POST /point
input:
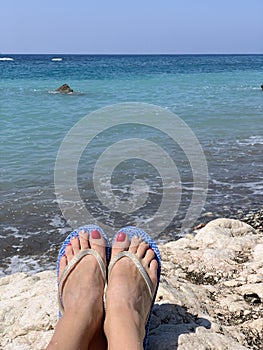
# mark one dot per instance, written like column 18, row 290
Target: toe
column 151, row 265
column 152, row 272
column 84, row 240
column 142, row 249
column 135, row 241
column 69, row 252
column 75, row 245
column 149, row 256
column 62, row 266
column 120, row 244
column 98, row 243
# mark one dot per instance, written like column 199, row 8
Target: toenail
column 83, row 234
column 121, row 237
column 95, row 234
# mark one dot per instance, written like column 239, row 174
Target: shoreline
column 45, row 258
column 211, row 294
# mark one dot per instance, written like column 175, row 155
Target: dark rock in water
column 262, row 87
column 65, row 88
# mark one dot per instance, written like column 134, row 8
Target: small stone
column 252, row 298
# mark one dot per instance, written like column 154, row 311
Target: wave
column 75, row 93
column 26, row 264
column 53, row 92
column 56, row 59
column 6, row 59
column 251, row 141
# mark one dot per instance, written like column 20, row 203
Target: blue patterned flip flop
column 75, row 233
column 131, row 231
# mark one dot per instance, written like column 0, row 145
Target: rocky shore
column 210, row 295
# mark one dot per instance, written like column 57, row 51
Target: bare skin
column 127, row 298
column 81, row 326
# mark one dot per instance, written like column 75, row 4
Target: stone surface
column 27, row 310
column 210, row 295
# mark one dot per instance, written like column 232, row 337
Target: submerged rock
column 210, row 295
column 65, row 88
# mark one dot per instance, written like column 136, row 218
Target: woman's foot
column 128, row 300
column 81, row 326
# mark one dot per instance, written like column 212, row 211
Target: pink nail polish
column 121, row 237
column 95, row 234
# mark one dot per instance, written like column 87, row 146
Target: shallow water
column 218, row 96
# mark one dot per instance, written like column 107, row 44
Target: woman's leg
column 127, row 299
column 81, row 326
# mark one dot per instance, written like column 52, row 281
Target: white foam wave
column 20, row 264
column 6, row 59
column 57, row 221
column 221, row 183
column 251, row 141
column 248, row 87
column 58, row 92
column 59, row 224
column 11, row 228
column 56, row 59
column 16, row 233
column 256, row 187
column 53, row 92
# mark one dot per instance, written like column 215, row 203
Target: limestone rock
column 210, row 295
column 27, row 310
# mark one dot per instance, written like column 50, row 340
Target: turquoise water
column 218, row 96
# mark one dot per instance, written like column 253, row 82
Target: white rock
column 258, row 253
column 206, row 300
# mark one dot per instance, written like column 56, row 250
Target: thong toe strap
column 73, row 263
column 138, row 264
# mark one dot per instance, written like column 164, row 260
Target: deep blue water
column 218, row 96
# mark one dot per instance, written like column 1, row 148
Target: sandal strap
column 73, row 263
column 139, row 266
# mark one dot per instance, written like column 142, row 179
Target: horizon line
column 132, row 53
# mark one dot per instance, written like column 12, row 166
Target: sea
column 210, row 114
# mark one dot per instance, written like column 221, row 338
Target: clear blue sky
column 133, row 26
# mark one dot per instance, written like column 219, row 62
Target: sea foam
column 251, row 141
column 6, row 59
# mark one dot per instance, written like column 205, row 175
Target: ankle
column 124, row 328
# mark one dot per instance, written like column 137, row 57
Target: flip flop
column 131, row 231
column 78, row 258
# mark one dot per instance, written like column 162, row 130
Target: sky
column 134, row 26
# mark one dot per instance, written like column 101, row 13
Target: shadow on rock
column 168, row 322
